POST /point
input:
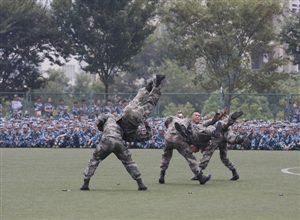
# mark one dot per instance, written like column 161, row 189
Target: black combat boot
column 162, row 177
column 232, row 119
column 216, row 133
column 159, row 79
column 85, row 185
column 149, row 85
column 247, row 141
column 181, row 129
column 194, row 178
column 235, row 175
column 240, row 139
column 235, row 115
column 141, row 185
column 202, row 178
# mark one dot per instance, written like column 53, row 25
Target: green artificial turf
column 32, row 181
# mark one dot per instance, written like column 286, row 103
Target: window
column 255, row 64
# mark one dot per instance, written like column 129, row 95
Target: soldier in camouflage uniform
column 37, row 138
column 159, row 138
column 48, row 108
column 77, row 137
column 288, row 139
column 111, row 142
column 139, row 109
column 264, row 140
column 63, row 139
column 75, row 111
column 60, row 108
column 39, row 106
column 273, row 139
column 98, row 108
column 2, row 135
column 64, row 113
column 1, row 110
column 17, row 135
column 255, row 139
column 9, row 138
column 84, row 110
column 94, row 138
column 173, row 140
column 209, row 148
column 296, row 145
column 26, row 138
column 49, row 137
column 221, row 143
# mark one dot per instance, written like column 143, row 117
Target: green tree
column 105, row 34
column 219, row 39
column 171, row 109
column 152, row 56
column 210, row 105
column 290, row 36
column 146, row 65
column 86, row 87
column 57, row 87
column 178, row 87
column 25, row 42
column 253, row 106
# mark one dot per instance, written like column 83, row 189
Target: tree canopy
column 104, row 34
column 220, row 39
column 290, row 36
column 28, row 34
column 23, row 45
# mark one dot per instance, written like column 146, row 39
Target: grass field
column 32, row 181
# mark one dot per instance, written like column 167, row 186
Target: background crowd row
column 81, row 109
column 79, row 132
column 65, row 133
column 48, row 110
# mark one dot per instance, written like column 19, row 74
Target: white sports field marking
column 286, row 170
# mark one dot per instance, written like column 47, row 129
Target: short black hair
column 194, row 112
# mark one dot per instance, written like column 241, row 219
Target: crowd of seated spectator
column 74, row 129
column 77, row 128
column 266, row 135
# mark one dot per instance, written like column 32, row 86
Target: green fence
column 260, row 106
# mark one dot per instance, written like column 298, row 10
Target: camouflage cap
column 104, row 116
column 160, row 127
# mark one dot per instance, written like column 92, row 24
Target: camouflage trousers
column 107, row 146
column 210, row 149
column 201, row 134
column 174, row 141
column 227, row 122
column 230, row 137
column 140, row 108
